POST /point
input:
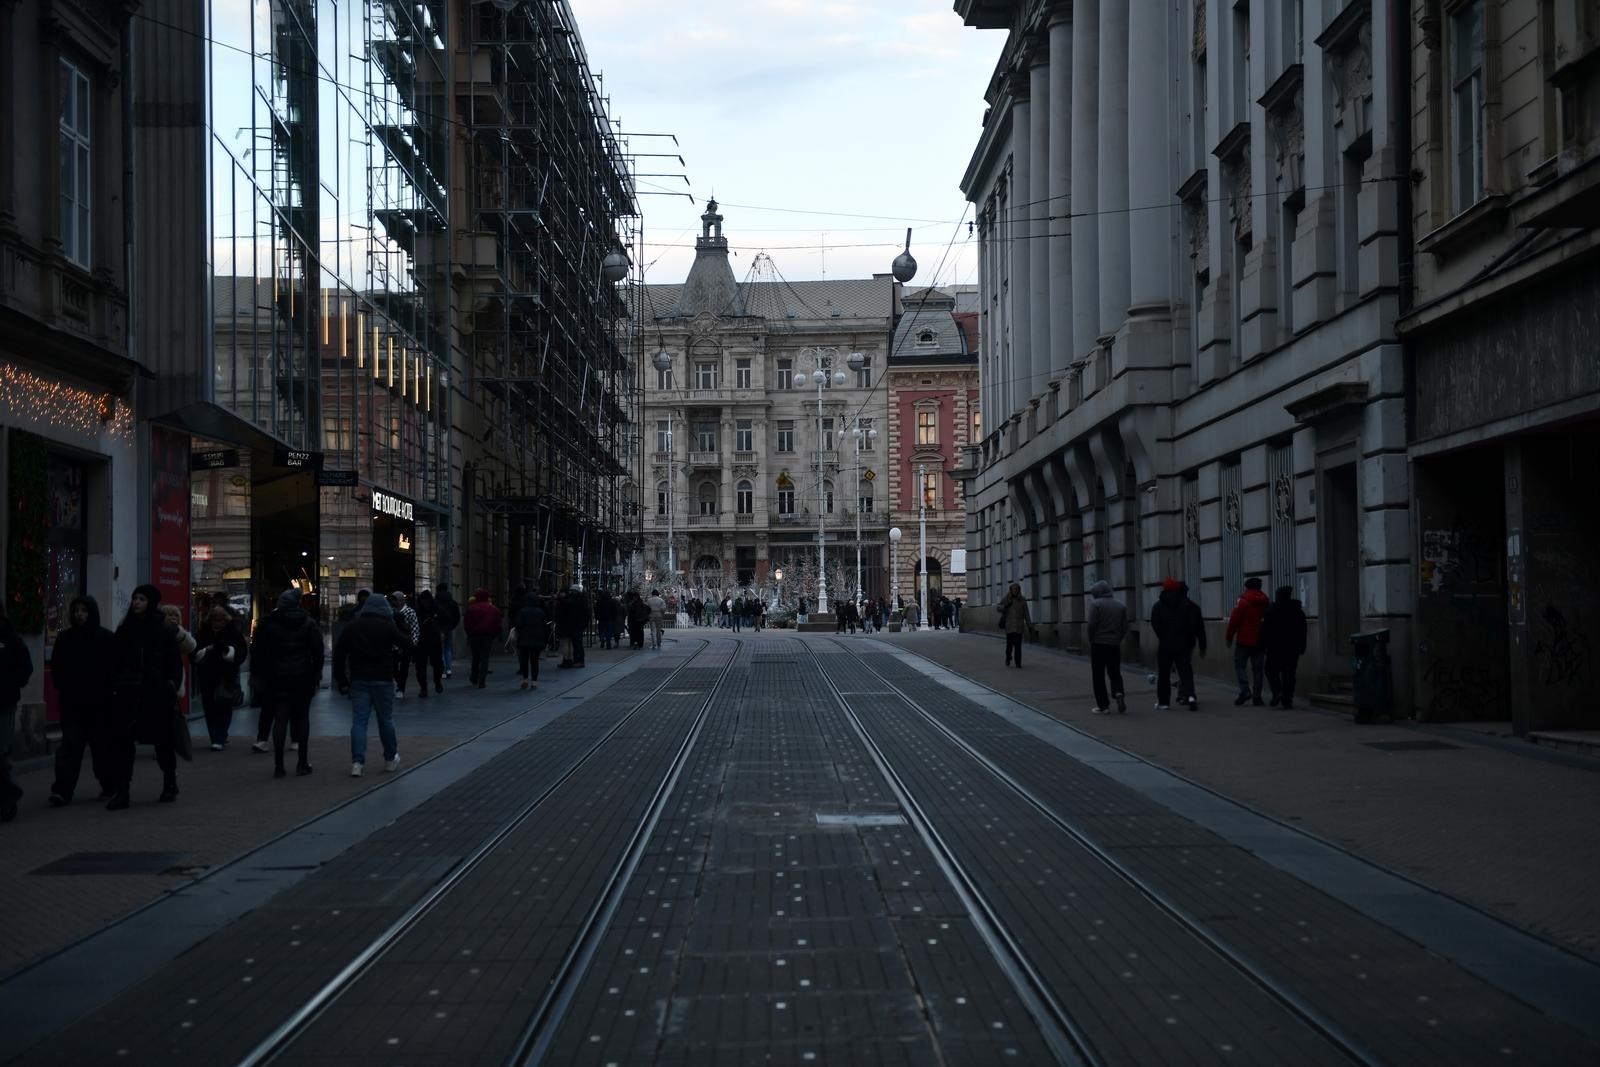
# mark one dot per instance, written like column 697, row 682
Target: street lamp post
column 777, row 589
column 862, row 437
column 663, row 362
column 922, row 542
column 820, row 377
column 894, row 567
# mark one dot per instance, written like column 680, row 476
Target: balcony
column 705, row 459
column 744, row 520
column 704, row 520
column 744, row 457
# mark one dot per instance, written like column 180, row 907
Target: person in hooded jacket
column 1106, row 626
column 638, row 618
column 16, row 667
column 221, row 649
column 1014, row 621
column 147, row 670
column 572, row 619
column 288, row 659
column 363, row 669
column 1244, row 634
column 78, row 661
column 1283, row 636
column 528, row 630
column 482, row 622
column 449, row 620
column 430, row 643
column 405, row 617
column 1178, row 627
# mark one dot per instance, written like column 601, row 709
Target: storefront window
column 67, row 542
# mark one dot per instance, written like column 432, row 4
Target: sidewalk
column 69, row 872
column 1507, row 828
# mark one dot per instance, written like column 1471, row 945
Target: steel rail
column 533, row 1044
column 286, row 1032
column 1297, row 1005
column 1065, row 1038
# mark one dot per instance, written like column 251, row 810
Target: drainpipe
column 1400, row 136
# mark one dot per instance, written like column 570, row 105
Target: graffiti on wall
column 1562, row 652
column 1457, row 555
column 1465, row 688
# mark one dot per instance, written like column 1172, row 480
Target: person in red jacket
column 1244, row 634
column 482, row 622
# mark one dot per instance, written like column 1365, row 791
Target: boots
column 169, row 787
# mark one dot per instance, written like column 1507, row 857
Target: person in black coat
column 429, row 650
column 1179, row 629
column 79, row 668
column 528, row 630
column 288, row 656
column 147, row 673
column 638, row 613
column 572, row 619
column 220, row 650
column 1283, row 635
column 16, row 667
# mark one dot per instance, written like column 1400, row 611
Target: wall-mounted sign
column 337, row 477
column 396, row 507
column 958, row 561
column 216, row 459
column 403, row 543
column 200, row 553
column 297, row 461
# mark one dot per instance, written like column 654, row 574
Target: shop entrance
column 394, row 544
column 284, row 539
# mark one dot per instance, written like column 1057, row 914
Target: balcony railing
column 705, row 459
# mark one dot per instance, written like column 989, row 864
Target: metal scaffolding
column 550, row 195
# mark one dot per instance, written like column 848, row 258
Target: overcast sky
column 823, row 110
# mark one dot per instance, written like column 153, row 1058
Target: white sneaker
column 390, row 765
column 216, row 746
column 356, row 769
column 1099, row 711
column 399, row 694
column 259, row 746
column 294, row 746
column 1163, row 707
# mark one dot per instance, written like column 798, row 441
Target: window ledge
column 1486, row 215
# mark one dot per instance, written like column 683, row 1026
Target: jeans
column 79, row 729
column 528, row 662
column 1165, row 662
column 219, row 715
column 736, row 620
column 291, row 715
column 1105, row 664
column 1254, row 656
column 366, row 697
column 1014, row 648
column 480, row 658
column 655, row 633
column 607, row 633
column 1280, row 676
column 449, row 652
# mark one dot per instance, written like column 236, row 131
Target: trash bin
column 1373, row 677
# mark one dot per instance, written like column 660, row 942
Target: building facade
column 1190, row 285
column 745, row 465
column 69, row 439
column 933, row 397
column 1504, row 341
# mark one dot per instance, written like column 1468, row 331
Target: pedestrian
column 430, row 644
column 1244, row 634
column 572, row 620
column 1106, row 627
column 83, row 651
column 528, row 631
column 605, row 619
column 658, row 614
column 1283, row 637
column 956, row 605
column 449, row 619
column 16, row 667
column 1175, row 620
column 363, row 669
column 288, row 657
column 482, row 622
column 1014, row 622
column 172, row 617
column 147, row 671
column 638, row 619
column 221, row 650
column 405, row 617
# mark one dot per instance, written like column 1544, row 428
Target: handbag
column 230, row 692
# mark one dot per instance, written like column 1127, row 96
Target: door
column 1340, row 513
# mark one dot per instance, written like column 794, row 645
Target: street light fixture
column 777, row 588
column 820, row 376
column 922, row 544
column 894, row 565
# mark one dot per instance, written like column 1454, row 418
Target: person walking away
column 429, row 651
column 78, row 668
column 363, row 670
column 572, row 620
column 605, row 619
column 1106, row 627
column 1244, row 634
column 16, row 667
column 482, row 622
column 1283, row 637
column 405, row 617
column 1176, row 622
column 528, row 630
column 1014, row 622
column 287, row 668
column 638, row 619
column 221, row 650
column 147, row 670
column 658, row 613
column 449, row 619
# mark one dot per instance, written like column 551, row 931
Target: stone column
column 1150, row 171
column 725, row 444
column 1019, row 367
column 1111, row 115
column 1059, row 243
column 1039, row 313
column 1085, row 176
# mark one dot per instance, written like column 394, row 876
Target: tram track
column 1064, row 1034
column 279, row 1045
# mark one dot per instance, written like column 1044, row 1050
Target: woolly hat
column 289, row 598
column 1252, row 583
column 149, row 592
column 1171, row 584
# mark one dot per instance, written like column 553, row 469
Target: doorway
column 935, row 580
column 1339, row 510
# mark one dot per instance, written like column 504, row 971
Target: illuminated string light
column 63, row 407
column 391, row 362
column 361, row 341
column 324, row 318
column 405, row 367
column 377, row 353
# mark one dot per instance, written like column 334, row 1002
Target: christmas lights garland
column 25, row 548
column 64, row 406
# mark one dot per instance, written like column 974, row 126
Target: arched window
column 864, row 496
column 746, row 496
column 707, row 498
column 662, row 502
column 827, row 497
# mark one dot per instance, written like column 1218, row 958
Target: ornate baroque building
column 1190, row 270
column 740, row 462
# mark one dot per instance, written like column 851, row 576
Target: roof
column 930, row 334
column 857, row 298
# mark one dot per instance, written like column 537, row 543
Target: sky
column 800, row 116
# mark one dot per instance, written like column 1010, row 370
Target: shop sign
column 217, row 459
column 403, row 543
column 295, row 460
column 396, row 507
column 200, row 553
column 958, row 561
column 337, row 477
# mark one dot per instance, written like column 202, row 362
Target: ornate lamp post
column 922, row 543
column 820, row 377
column 663, row 362
column 863, row 438
column 777, row 589
column 894, row 566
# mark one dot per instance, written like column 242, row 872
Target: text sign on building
column 403, row 543
column 200, row 553
column 216, row 459
column 337, row 477
column 396, row 507
column 958, row 561
column 297, row 461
